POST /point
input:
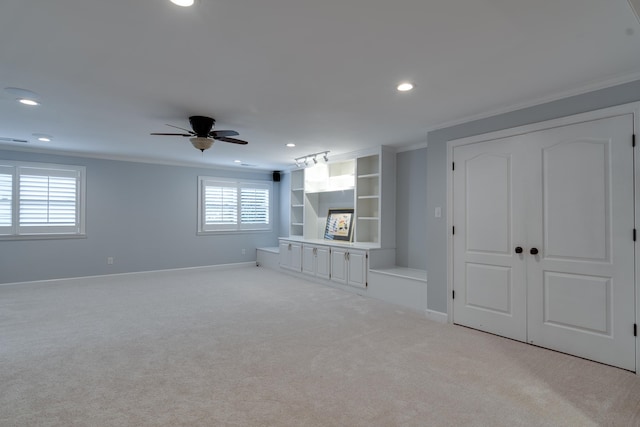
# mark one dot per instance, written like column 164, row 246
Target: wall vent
column 3, row 139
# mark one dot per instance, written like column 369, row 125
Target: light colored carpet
column 253, row 347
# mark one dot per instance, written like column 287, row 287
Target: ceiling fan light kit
column 202, row 136
column 201, row 143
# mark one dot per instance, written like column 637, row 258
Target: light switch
column 438, row 212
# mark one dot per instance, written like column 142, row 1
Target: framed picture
column 339, row 225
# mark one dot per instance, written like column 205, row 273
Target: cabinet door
column 285, row 255
column 323, row 262
column 357, row 268
column 308, row 259
column 296, row 256
column 339, row 265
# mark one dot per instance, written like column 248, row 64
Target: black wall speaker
column 276, row 176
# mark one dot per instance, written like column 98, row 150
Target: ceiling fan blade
column 219, row 133
column 173, row 134
column 178, row 127
column 232, row 140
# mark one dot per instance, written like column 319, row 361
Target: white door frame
column 632, row 108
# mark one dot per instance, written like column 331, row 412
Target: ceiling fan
column 202, row 136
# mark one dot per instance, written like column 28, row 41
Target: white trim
column 539, row 101
column 436, row 316
column 120, row 158
column 631, row 108
column 412, row 147
column 636, row 165
column 137, row 273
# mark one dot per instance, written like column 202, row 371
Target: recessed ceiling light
column 43, row 137
column 404, row 87
column 291, row 145
column 23, row 96
column 27, row 101
column 237, row 161
column 183, row 3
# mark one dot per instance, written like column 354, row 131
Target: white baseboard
column 203, row 267
column 436, row 316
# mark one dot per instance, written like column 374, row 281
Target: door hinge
column 634, row 234
column 633, row 140
column 453, row 166
column 635, row 329
column 366, row 284
column 453, row 230
column 453, row 294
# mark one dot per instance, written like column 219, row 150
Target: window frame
column 237, row 226
column 18, row 231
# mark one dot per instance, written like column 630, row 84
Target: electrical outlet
column 244, row 252
column 110, row 260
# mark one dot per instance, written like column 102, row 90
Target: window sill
column 225, row 232
column 43, row 237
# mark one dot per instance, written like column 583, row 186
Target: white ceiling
column 321, row 74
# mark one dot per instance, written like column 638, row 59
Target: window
column 38, row 199
column 233, row 205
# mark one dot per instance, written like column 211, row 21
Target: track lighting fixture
column 312, row 156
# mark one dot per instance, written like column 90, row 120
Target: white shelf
column 369, row 218
column 369, row 175
column 297, row 206
column 297, row 189
column 368, row 197
column 337, row 190
column 297, row 223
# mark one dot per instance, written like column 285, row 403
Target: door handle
column 518, row 249
column 533, row 251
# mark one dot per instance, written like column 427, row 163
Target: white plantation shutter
column 6, row 199
column 220, row 202
column 41, row 199
column 233, row 205
column 254, row 207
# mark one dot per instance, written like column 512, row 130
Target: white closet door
column 580, row 206
column 489, row 276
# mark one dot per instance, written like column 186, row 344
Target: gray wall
column 143, row 215
column 411, row 209
column 437, row 168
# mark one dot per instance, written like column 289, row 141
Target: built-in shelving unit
column 297, row 203
column 364, row 183
column 327, row 186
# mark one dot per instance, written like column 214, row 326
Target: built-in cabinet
column 365, row 183
column 345, row 264
column 316, row 260
column 291, row 255
column 349, row 266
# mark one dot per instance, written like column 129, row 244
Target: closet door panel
column 489, row 280
column 581, row 283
